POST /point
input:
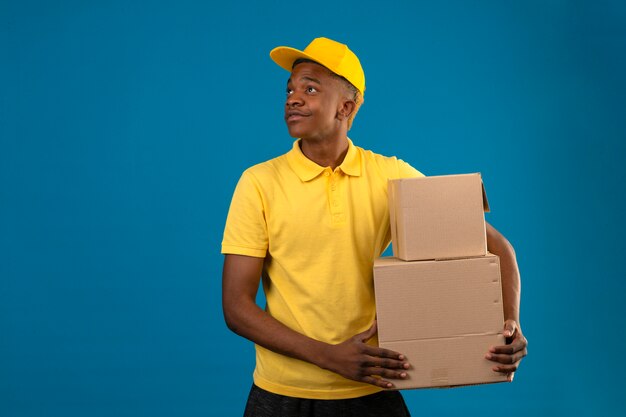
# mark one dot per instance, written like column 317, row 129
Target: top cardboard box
column 440, row 217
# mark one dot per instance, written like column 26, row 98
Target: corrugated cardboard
column 439, row 217
column 443, row 315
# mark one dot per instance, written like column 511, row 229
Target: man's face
column 314, row 99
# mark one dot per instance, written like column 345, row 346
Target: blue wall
column 124, row 127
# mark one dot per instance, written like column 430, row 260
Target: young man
column 311, row 222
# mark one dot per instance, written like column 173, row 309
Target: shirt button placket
column 337, row 215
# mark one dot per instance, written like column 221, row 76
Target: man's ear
column 346, row 109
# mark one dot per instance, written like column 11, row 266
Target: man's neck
column 326, row 153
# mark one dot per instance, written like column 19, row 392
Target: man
column 311, row 222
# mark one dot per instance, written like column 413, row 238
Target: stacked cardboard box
column 439, row 299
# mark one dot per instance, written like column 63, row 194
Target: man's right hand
column 356, row 360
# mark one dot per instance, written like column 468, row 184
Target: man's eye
column 289, row 91
column 311, row 90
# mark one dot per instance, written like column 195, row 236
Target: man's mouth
column 292, row 115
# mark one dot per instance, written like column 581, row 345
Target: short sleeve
column 405, row 170
column 245, row 232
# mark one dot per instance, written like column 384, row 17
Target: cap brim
column 285, row 56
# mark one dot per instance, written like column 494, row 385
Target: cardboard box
column 443, row 315
column 439, row 217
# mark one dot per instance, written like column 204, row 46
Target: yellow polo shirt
column 319, row 231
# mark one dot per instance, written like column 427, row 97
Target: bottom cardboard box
column 448, row 362
column 443, row 315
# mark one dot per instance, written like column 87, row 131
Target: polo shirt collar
column 307, row 169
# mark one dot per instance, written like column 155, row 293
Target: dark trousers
column 262, row 403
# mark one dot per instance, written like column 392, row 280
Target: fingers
column 374, row 365
column 383, row 358
column 388, row 357
column 509, row 360
column 382, row 353
column 506, row 369
column 512, row 360
column 379, row 382
column 518, row 344
column 379, row 376
column 386, row 372
column 510, row 327
column 382, row 364
column 509, row 356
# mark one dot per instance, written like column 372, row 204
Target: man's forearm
column 250, row 321
column 240, row 282
column 352, row 358
column 511, row 286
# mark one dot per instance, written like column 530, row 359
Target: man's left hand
column 509, row 356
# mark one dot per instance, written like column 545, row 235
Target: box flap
column 391, row 194
column 485, row 201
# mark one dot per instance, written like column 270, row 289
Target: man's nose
column 294, row 99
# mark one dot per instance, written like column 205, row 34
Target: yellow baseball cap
column 335, row 56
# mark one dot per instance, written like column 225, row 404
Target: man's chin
column 294, row 133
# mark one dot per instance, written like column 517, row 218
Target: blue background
column 124, row 127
